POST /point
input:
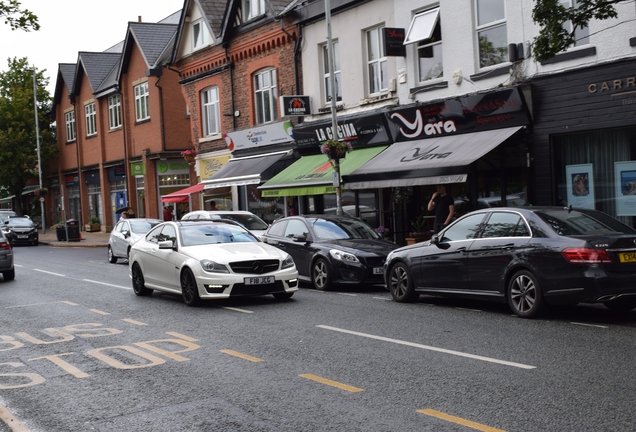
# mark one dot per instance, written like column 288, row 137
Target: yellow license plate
column 627, row 257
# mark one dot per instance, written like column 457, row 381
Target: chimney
column 138, row 18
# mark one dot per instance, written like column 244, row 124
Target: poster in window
column 580, row 185
column 625, row 184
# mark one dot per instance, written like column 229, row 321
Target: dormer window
column 252, row 8
column 199, row 35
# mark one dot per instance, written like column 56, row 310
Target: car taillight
column 5, row 245
column 586, row 256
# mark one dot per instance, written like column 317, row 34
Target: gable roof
column 96, row 66
column 65, row 75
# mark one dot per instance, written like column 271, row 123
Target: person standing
column 444, row 206
column 167, row 213
column 213, row 206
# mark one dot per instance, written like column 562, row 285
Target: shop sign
column 171, row 166
column 116, row 173
column 137, row 169
column 277, row 133
column 71, row 180
column 209, row 166
column 367, row 130
column 394, row 42
column 295, row 105
column 475, row 113
column 619, row 89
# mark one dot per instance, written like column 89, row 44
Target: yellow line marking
column 40, row 304
column 331, row 383
column 97, row 311
column 13, row 423
column 241, row 355
column 132, row 321
column 184, row 337
column 459, row 420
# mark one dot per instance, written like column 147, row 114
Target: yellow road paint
column 241, row 355
column 101, row 354
column 132, row 321
column 331, row 383
column 184, row 337
column 13, row 423
column 97, row 311
column 55, row 359
column 189, row 346
column 459, row 420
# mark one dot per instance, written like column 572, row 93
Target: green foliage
column 18, row 146
column 16, row 18
column 94, row 221
column 551, row 15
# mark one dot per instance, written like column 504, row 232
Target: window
column 426, row 30
column 210, row 109
column 114, row 111
column 91, row 121
column 252, row 9
column 142, row 111
column 70, row 126
column 505, row 225
column 464, row 229
column 581, row 35
column 336, row 71
column 199, row 35
column 265, row 96
column 376, row 62
column 491, row 32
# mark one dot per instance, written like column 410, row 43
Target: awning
column 244, row 170
column 313, row 175
column 429, row 161
column 182, row 195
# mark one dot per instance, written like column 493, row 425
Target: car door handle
column 507, row 246
column 461, row 249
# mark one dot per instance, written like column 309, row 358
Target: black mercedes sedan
column 529, row 257
column 331, row 250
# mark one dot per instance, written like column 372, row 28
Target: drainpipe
column 227, row 59
column 124, row 130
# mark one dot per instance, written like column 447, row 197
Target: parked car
column 125, row 234
column 331, row 250
column 248, row 220
column 21, row 230
column 6, row 258
column 6, row 214
column 529, row 257
column 209, row 260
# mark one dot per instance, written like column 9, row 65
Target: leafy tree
column 18, row 146
column 16, row 18
column 551, row 15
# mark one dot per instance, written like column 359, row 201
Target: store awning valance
column 429, row 161
column 313, row 175
column 244, row 170
column 182, row 195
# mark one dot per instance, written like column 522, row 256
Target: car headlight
column 288, row 262
column 213, row 267
column 343, row 256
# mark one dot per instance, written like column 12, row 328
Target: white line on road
column 236, row 309
column 430, row 348
column 48, row 272
column 382, row 298
column 107, row 284
column 348, row 294
column 588, row 325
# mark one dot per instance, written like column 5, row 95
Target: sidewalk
column 88, row 239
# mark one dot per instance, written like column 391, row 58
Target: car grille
column 374, row 261
column 240, row 289
column 255, row 267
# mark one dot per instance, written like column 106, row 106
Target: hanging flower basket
column 189, row 155
column 41, row 192
column 336, row 149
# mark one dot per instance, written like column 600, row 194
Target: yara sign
column 414, row 129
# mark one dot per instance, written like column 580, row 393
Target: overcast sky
column 70, row 26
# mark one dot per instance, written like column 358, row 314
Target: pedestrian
column 444, row 206
column 167, row 213
column 213, row 206
column 124, row 215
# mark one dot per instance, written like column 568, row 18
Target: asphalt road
column 80, row 352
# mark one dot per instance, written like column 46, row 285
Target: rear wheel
column 189, row 289
column 401, row 284
column 139, row 284
column 524, row 295
column 321, row 274
column 111, row 257
column 9, row 275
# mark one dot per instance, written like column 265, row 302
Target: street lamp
column 37, row 138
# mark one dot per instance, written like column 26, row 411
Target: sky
column 70, row 26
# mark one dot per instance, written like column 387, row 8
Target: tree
column 16, row 18
column 18, row 146
column 551, row 15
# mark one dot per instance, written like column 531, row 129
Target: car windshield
column 20, row 222
column 194, row 235
column 575, row 223
column 251, row 222
column 142, row 226
column 342, row 229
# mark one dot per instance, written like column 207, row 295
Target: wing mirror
column 435, row 240
column 166, row 244
column 300, row 238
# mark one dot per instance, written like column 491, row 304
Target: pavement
column 87, row 239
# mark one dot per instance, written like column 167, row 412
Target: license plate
column 263, row 280
column 23, row 236
column 627, row 257
column 378, row 270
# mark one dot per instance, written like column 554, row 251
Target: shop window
column 491, row 32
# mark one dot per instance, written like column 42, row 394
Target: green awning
column 313, row 175
column 6, row 200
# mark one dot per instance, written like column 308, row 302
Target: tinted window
column 194, row 235
column 578, row 223
column 296, row 227
column 342, row 229
column 20, row 222
column 167, row 233
column 251, row 222
column 152, row 235
column 505, row 225
column 463, row 229
column 278, row 229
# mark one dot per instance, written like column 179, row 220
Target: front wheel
column 401, row 284
column 321, row 274
column 189, row 289
column 111, row 257
column 524, row 295
column 139, row 284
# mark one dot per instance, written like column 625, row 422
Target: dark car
column 331, row 250
column 6, row 258
column 20, row 230
column 529, row 257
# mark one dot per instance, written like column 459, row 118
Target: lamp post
column 334, row 120
column 37, row 138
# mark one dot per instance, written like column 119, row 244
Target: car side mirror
column 126, row 233
column 435, row 240
column 166, row 244
column 300, row 238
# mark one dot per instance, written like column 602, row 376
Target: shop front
column 173, row 175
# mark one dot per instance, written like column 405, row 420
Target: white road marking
column 430, row 348
column 588, row 325
column 348, row 294
column 382, row 298
column 236, row 309
column 107, row 284
column 48, row 272
column 470, row 310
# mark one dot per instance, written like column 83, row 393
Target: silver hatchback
column 6, row 258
